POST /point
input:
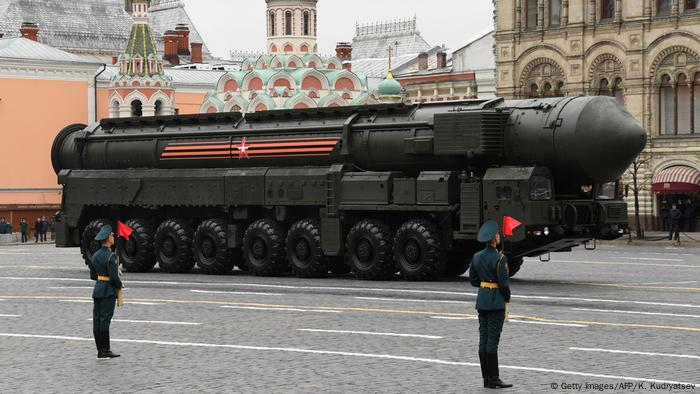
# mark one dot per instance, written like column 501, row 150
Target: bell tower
column 291, row 27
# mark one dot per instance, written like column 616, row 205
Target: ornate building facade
column 141, row 88
column 646, row 53
column 291, row 74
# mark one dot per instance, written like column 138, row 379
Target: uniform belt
column 489, row 285
column 104, row 278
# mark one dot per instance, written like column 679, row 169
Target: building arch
column 542, row 77
column 236, row 101
column 662, row 57
column 333, row 64
column 307, row 83
column 345, row 79
column 605, row 46
column 261, row 100
column 332, row 100
column 298, row 99
column 312, row 61
column 281, row 79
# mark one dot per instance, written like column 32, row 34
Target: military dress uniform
column 489, row 272
column 104, row 270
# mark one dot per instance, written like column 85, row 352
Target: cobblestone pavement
column 617, row 316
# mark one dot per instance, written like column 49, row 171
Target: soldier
column 489, row 272
column 24, row 227
column 104, row 270
column 674, row 218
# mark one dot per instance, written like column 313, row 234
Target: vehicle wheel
column 417, row 251
column 137, row 254
column 174, row 239
column 211, row 247
column 458, row 262
column 368, row 251
column 88, row 245
column 514, row 266
column 304, row 252
column 338, row 265
column 263, row 248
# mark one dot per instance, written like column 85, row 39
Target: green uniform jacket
column 104, row 263
column 486, row 268
column 24, row 227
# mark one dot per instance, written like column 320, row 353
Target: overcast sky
column 240, row 24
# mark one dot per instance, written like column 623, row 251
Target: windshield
column 606, row 191
column 540, row 188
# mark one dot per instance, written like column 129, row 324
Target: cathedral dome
column 390, row 86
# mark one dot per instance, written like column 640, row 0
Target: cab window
column 540, row 188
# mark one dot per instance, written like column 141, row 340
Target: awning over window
column 678, row 179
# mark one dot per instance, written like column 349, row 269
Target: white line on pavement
column 384, row 290
column 13, row 253
column 666, row 283
column 178, row 323
column 649, row 258
column 78, row 301
column 71, row 287
column 635, row 353
column 257, row 308
column 610, row 263
column 236, row 293
column 410, row 300
column 347, row 354
column 453, row 318
column 143, row 303
column 385, row 334
column 547, row 324
column 633, row 312
column 10, row 315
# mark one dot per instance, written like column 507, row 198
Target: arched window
column 604, row 88
column 531, row 14
column 136, row 108
column 534, row 91
column 114, row 109
column 684, row 105
column 667, row 106
column 306, row 23
column 273, row 27
column 607, row 9
column 617, row 91
column 663, row 7
column 158, row 108
column 288, row 23
column 559, row 91
column 554, row 12
column 547, row 90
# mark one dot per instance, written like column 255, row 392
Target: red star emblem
column 243, row 150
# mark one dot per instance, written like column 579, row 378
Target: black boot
column 107, row 350
column 99, row 342
column 494, row 381
column 484, row 369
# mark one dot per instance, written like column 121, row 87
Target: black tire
column 211, row 247
column 458, row 262
column 174, row 240
column 304, row 252
column 368, row 251
column 137, row 254
column 88, row 245
column 417, row 251
column 514, row 266
column 263, row 248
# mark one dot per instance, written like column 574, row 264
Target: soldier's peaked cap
column 104, row 233
column 487, row 231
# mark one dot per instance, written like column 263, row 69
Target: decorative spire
column 141, row 54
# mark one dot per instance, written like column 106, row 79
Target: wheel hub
column 364, row 251
column 411, row 251
column 259, row 249
column 302, row 249
column 208, row 248
column 168, row 247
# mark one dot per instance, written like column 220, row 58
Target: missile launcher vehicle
column 372, row 190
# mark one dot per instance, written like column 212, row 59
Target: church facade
column 291, row 74
column 645, row 53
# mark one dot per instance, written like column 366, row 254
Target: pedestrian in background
column 3, row 225
column 674, row 220
column 104, row 270
column 690, row 215
column 44, row 228
column 37, row 230
column 24, row 227
column 489, row 272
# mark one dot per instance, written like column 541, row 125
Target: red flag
column 509, row 224
column 123, row 230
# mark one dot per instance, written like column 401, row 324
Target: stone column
column 564, row 13
column 674, row 7
column 591, row 12
column 540, row 14
column 518, row 15
column 647, row 8
column 148, row 110
column 618, row 11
